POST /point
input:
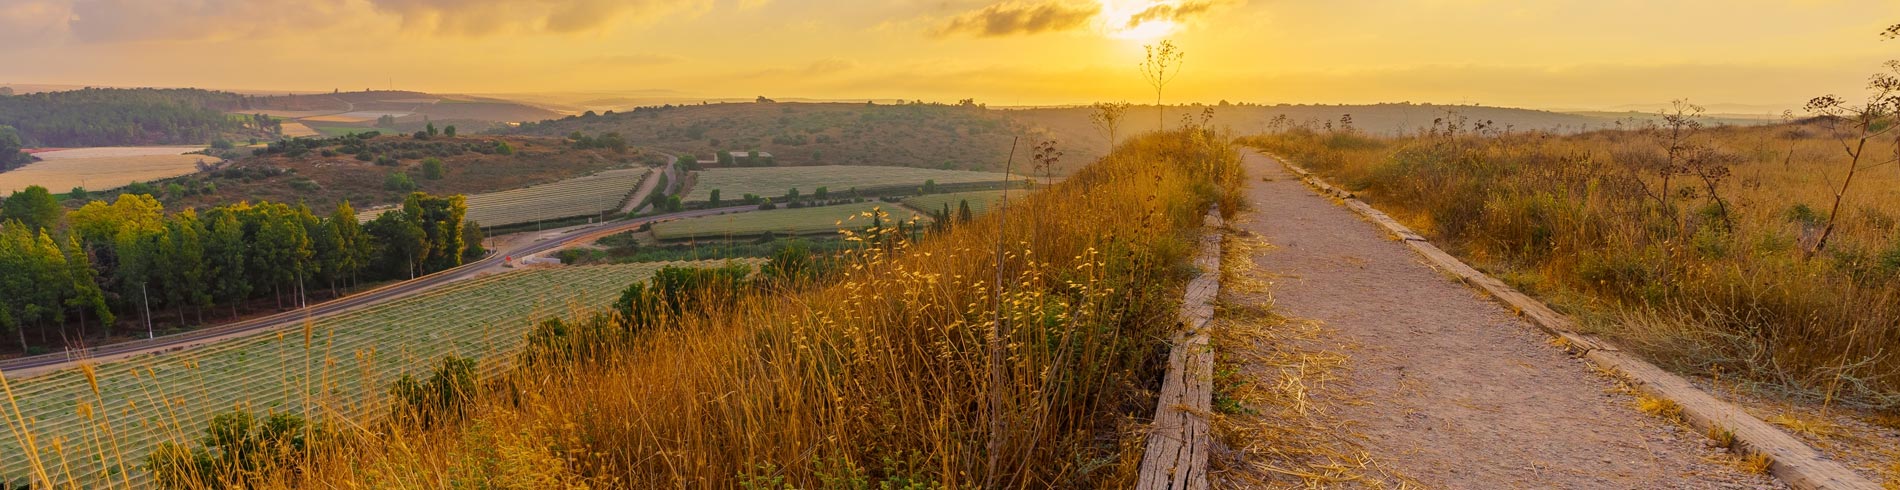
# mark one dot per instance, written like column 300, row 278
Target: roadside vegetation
column 904, row 366
column 1729, row 252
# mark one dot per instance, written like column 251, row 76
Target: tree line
column 127, row 259
column 110, row 117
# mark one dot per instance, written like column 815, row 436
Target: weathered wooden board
column 1179, row 439
column 1793, row 461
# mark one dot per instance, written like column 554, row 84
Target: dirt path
column 1437, row 386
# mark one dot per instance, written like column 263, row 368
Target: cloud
column 1009, row 19
column 30, row 20
column 484, row 17
column 1172, row 12
column 191, row 20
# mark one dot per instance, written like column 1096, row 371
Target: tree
column 449, row 131
column 33, row 207
column 181, row 256
column 440, row 219
column 10, row 145
column 399, row 181
column 401, row 243
column 353, row 248
column 432, row 168
column 1864, row 122
column 963, row 212
column 472, row 237
column 714, row 198
column 1108, row 118
column 431, row 130
column 225, row 257
column 1162, row 64
column 503, row 148
column 87, row 296
column 821, row 194
column 724, row 158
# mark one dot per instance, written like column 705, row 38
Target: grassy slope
column 784, row 221
column 882, row 375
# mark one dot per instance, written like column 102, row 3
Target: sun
column 1118, row 14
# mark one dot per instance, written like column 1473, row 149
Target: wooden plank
column 1792, row 461
column 1179, row 439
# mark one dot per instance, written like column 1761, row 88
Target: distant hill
column 322, row 172
column 912, row 135
column 120, row 117
column 407, row 109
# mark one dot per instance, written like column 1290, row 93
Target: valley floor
column 1353, row 362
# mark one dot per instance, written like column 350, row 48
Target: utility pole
column 147, row 301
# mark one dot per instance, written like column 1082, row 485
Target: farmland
column 332, row 366
column 102, row 168
column 980, row 201
column 733, row 183
column 801, row 221
column 583, row 196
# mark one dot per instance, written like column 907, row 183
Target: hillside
column 407, row 111
column 911, row 135
column 333, row 171
column 121, row 117
column 973, row 137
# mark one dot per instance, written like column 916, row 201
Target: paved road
column 33, row 365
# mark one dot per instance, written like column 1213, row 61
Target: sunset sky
column 1541, row 53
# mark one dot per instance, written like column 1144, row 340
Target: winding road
column 35, row 365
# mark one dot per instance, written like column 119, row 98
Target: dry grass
column 1577, row 220
column 912, row 370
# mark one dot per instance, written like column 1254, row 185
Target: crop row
column 801, row 221
column 773, row 182
column 337, row 365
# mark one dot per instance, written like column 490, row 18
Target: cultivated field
column 773, row 182
column 802, row 221
column 583, row 196
column 299, row 130
column 102, row 168
column 338, row 365
column 980, row 201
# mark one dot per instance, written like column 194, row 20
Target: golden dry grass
column 99, row 173
column 912, row 369
column 1576, row 220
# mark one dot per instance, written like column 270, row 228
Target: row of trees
column 128, row 259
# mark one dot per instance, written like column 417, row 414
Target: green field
column 734, row 183
column 339, row 365
column 581, row 196
column 980, row 201
column 802, row 221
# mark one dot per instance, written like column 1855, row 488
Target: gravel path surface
column 1443, row 386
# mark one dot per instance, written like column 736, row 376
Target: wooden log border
column 1790, row 459
column 1179, row 440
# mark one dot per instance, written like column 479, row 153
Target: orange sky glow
column 1745, row 55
